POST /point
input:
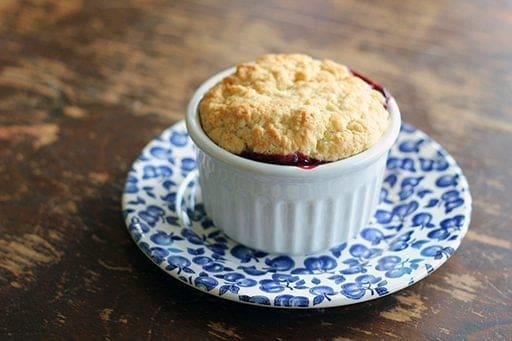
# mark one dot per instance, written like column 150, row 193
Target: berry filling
column 294, row 159
column 373, row 84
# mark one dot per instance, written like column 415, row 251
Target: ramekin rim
column 351, row 163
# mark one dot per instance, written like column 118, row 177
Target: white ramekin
column 287, row 209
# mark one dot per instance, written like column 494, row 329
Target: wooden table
column 84, row 85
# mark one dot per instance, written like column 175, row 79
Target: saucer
column 422, row 216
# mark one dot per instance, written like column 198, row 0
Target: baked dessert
column 284, row 109
column 293, row 109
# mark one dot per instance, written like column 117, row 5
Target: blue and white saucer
column 423, row 214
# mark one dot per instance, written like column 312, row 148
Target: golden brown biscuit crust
column 286, row 103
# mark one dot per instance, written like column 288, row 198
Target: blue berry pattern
column 422, row 216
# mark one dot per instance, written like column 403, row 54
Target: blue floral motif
column 354, row 266
column 252, row 270
column 218, row 249
column 362, row 252
column 204, row 282
column 314, row 265
column 429, row 165
column 180, row 263
column 280, row 282
column 216, row 267
column 188, row 164
column 448, row 226
column 138, row 227
column 234, row 281
column 407, row 128
column 437, row 251
column 170, row 200
column 447, row 180
column 178, row 138
column 203, row 260
column 408, row 186
column 280, row 263
column 423, row 219
column 163, row 238
column 384, row 196
column 406, row 164
column 270, row 285
column 337, row 250
column 192, row 237
column 352, row 290
column 246, row 254
column 451, row 200
column 172, row 220
column 383, row 216
column 422, row 214
column 372, row 235
column 161, row 153
column 410, row 146
column 337, row 279
column 284, row 278
column 152, row 214
column 391, row 180
column 453, row 223
column 256, row 299
column 404, row 210
column 423, row 192
column 395, row 267
column 360, row 263
column 401, row 242
column 158, row 254
column 131, row 184
column 197, row 213
column 291, row 301
column 195, row 252
column 356, row 290
column 151, row 171
column 322, row 292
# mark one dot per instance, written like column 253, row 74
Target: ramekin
column 288, row 209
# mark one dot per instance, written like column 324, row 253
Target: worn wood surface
column 84, row 85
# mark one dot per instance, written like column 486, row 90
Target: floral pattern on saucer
column 423, row 214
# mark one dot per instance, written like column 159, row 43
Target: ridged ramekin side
column 279, row 216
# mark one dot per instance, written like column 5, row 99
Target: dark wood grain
column 85, row 84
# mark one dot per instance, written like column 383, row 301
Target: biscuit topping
column 284, row 104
